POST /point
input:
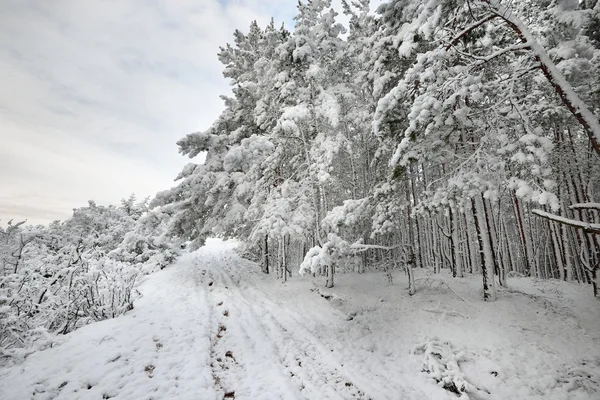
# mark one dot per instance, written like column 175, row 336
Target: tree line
column 456, row 135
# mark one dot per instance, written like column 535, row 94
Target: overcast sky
column 95, row 94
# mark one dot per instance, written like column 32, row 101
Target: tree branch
column 364, row 247
column 569, row 98
column 468, row 29
column 585, row 206
column 587, row 227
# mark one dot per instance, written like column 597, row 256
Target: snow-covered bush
column 326, row 257
column 14, row 241
column 441, row 361
column 58, row 278
column 147, row 246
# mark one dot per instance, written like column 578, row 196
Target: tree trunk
column 525, row 243
column 330, row 273
column 491, row 236
column 410, row 272
column 411, row 254
column 265, row 260
column 487, row 263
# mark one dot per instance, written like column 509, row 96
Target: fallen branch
column 446, row 312
column 441, row 361
column 429, row 283
column 457, row 295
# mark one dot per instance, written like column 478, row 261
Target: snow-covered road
column 205, row 328
column 213, row 327
column 262, row 348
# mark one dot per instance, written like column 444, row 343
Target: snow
column 296, row 113
column 590, row 206
column 554, row 75
column 212, row 325
column 168, row 330
column 330, row 108
column 586, row 226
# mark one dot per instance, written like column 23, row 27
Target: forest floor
column 213, row 327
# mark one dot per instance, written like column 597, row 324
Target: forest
column 453, row 135
column 460, row 136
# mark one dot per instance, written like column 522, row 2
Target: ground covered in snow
column 213, row 327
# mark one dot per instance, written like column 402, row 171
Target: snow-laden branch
column 468, row 29
column 585, row 206
column 562, row 87
column 517, row 47
column 364, row 247
column 482, row 60
column 585, row 226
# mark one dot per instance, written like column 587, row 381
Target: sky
column 95, row 94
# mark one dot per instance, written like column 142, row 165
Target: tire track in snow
column 242, row 355
column 380, row 383
column 305, row 360
column 384, row 380
column 191, row 333
column 223, row 363
column 308, row 365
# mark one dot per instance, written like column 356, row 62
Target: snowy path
column 213, row 327
column 159, row 350
column 265, row 350
column 203, row 329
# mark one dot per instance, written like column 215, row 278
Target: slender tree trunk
column 511, row 257
column 418, row 257
column 284, row 260
column 330, row 273
column 568, row 274
column 525, row 243
column 265, row 263
column 556, row 248
column 455, row 223
column 502, row 255
column 410, row 272
column 468, row 257
column 491, row 236
column 487, row 262
column 411, row 255
column 453, row 243
column 595, row 282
